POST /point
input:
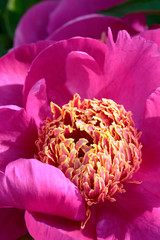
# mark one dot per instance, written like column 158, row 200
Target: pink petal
column 135, row 214
column 52, row 68
column 132, row 71
column 17, row 134
column 18, row 62
column 152, row 35
column 150, row 132
column 33, row 25
column 82, row 26
column 69, row 9
column 11, row 94
column 35, row 186
column 151, row 124
column 12, row 224
column 42, row 226
column 147, row 225
column 89, row 74
column 37, row 105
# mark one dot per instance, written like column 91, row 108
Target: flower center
column 94, row 143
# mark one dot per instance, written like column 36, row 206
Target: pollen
column 94, row 143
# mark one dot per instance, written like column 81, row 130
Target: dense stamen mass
column 94, row 143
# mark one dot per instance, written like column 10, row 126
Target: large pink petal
column 37, row 105
column 17, row 134
column 15, row 64
column 12, row 224
column 50, row 65
column 132, row 71
column 89, row 78
column 42, row 226
column 33, row 25
column 135, row 214
column 152, row 35
column 69, row 9
column 35, row 186
column 83, row 26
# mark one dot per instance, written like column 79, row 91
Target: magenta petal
column 33, row 25
column 17, row 134
column 42, row 226
column 132, row 71
column 37, row 105
column 70, row 9
column 150, row 131
column 83, row 26
column 135, row 214
column 52, row 68
column 12, row 224
column 18, row 62
column 152, row 35
column 151, row 124
column 35, row 186
column 89, row 79
column 11, row 94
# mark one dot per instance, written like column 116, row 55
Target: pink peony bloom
column 58, row 20
column 39, row 198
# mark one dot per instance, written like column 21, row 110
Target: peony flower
column 74, row 168
column 58, row 20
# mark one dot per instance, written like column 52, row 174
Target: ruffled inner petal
column 132, row 73
column 50, row 65
column 37, row 105
column 83, row 75
column 152, row 35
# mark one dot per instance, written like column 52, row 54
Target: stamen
column 103, row 37
column 95, row 144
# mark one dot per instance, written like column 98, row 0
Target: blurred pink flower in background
column 36, row 197
column 57, row 20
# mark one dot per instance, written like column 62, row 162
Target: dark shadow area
column 11, row 95
column 22, row 147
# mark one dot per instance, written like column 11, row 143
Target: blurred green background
column 12, row 10
column 10, row 13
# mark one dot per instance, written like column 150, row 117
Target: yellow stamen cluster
column 94, row 143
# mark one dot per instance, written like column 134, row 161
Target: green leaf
column 11, row 21
column 3, row 4
column 20, row 6
column 5, row 43
column 130, row 6
column 153, row 19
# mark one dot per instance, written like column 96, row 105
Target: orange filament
column 103, row 37
column 94, row 143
